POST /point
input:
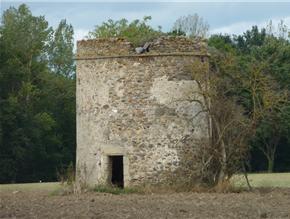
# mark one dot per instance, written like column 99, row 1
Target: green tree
column 23, row 39
column 34, row 131
column 250, row 39
column 222, row 43
column 60, row 51
column 265, row 62
column 259, row 83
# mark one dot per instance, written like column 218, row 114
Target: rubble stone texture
column 140, row 106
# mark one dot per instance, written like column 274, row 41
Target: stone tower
column 137, row 120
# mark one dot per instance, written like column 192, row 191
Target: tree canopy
column 37, row 97
column 261, row 85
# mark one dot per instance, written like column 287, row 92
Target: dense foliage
column 37, row 97
column 259, row 79
column 37, row 89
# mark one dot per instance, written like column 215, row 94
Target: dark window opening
column 117, row 171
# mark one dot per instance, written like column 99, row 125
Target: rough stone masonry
column 140, row 108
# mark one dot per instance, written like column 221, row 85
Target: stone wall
column 118, row 47
column 139, row 106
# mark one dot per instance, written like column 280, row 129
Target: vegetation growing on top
column 137, row 32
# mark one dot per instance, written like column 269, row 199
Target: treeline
column 257, row 64
column 37, row 89
column 37, row 97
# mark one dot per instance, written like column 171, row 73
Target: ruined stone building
column 137, row 120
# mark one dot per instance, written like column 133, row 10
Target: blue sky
column 223, row 17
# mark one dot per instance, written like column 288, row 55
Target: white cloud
column 241, row 27
column 80, row 34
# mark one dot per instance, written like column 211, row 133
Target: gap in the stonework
column 117, row 171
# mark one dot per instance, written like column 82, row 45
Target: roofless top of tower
column 119, row 47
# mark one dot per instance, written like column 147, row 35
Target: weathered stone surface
column 118, row 46
column 143, row 108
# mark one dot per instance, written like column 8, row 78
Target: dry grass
column 46, row 187
column 258, row 180
column 262, row 180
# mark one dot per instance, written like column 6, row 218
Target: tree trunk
column 270, row 164
column 246, row 176
column 222, row 175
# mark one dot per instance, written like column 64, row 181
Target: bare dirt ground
column 37, row 204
